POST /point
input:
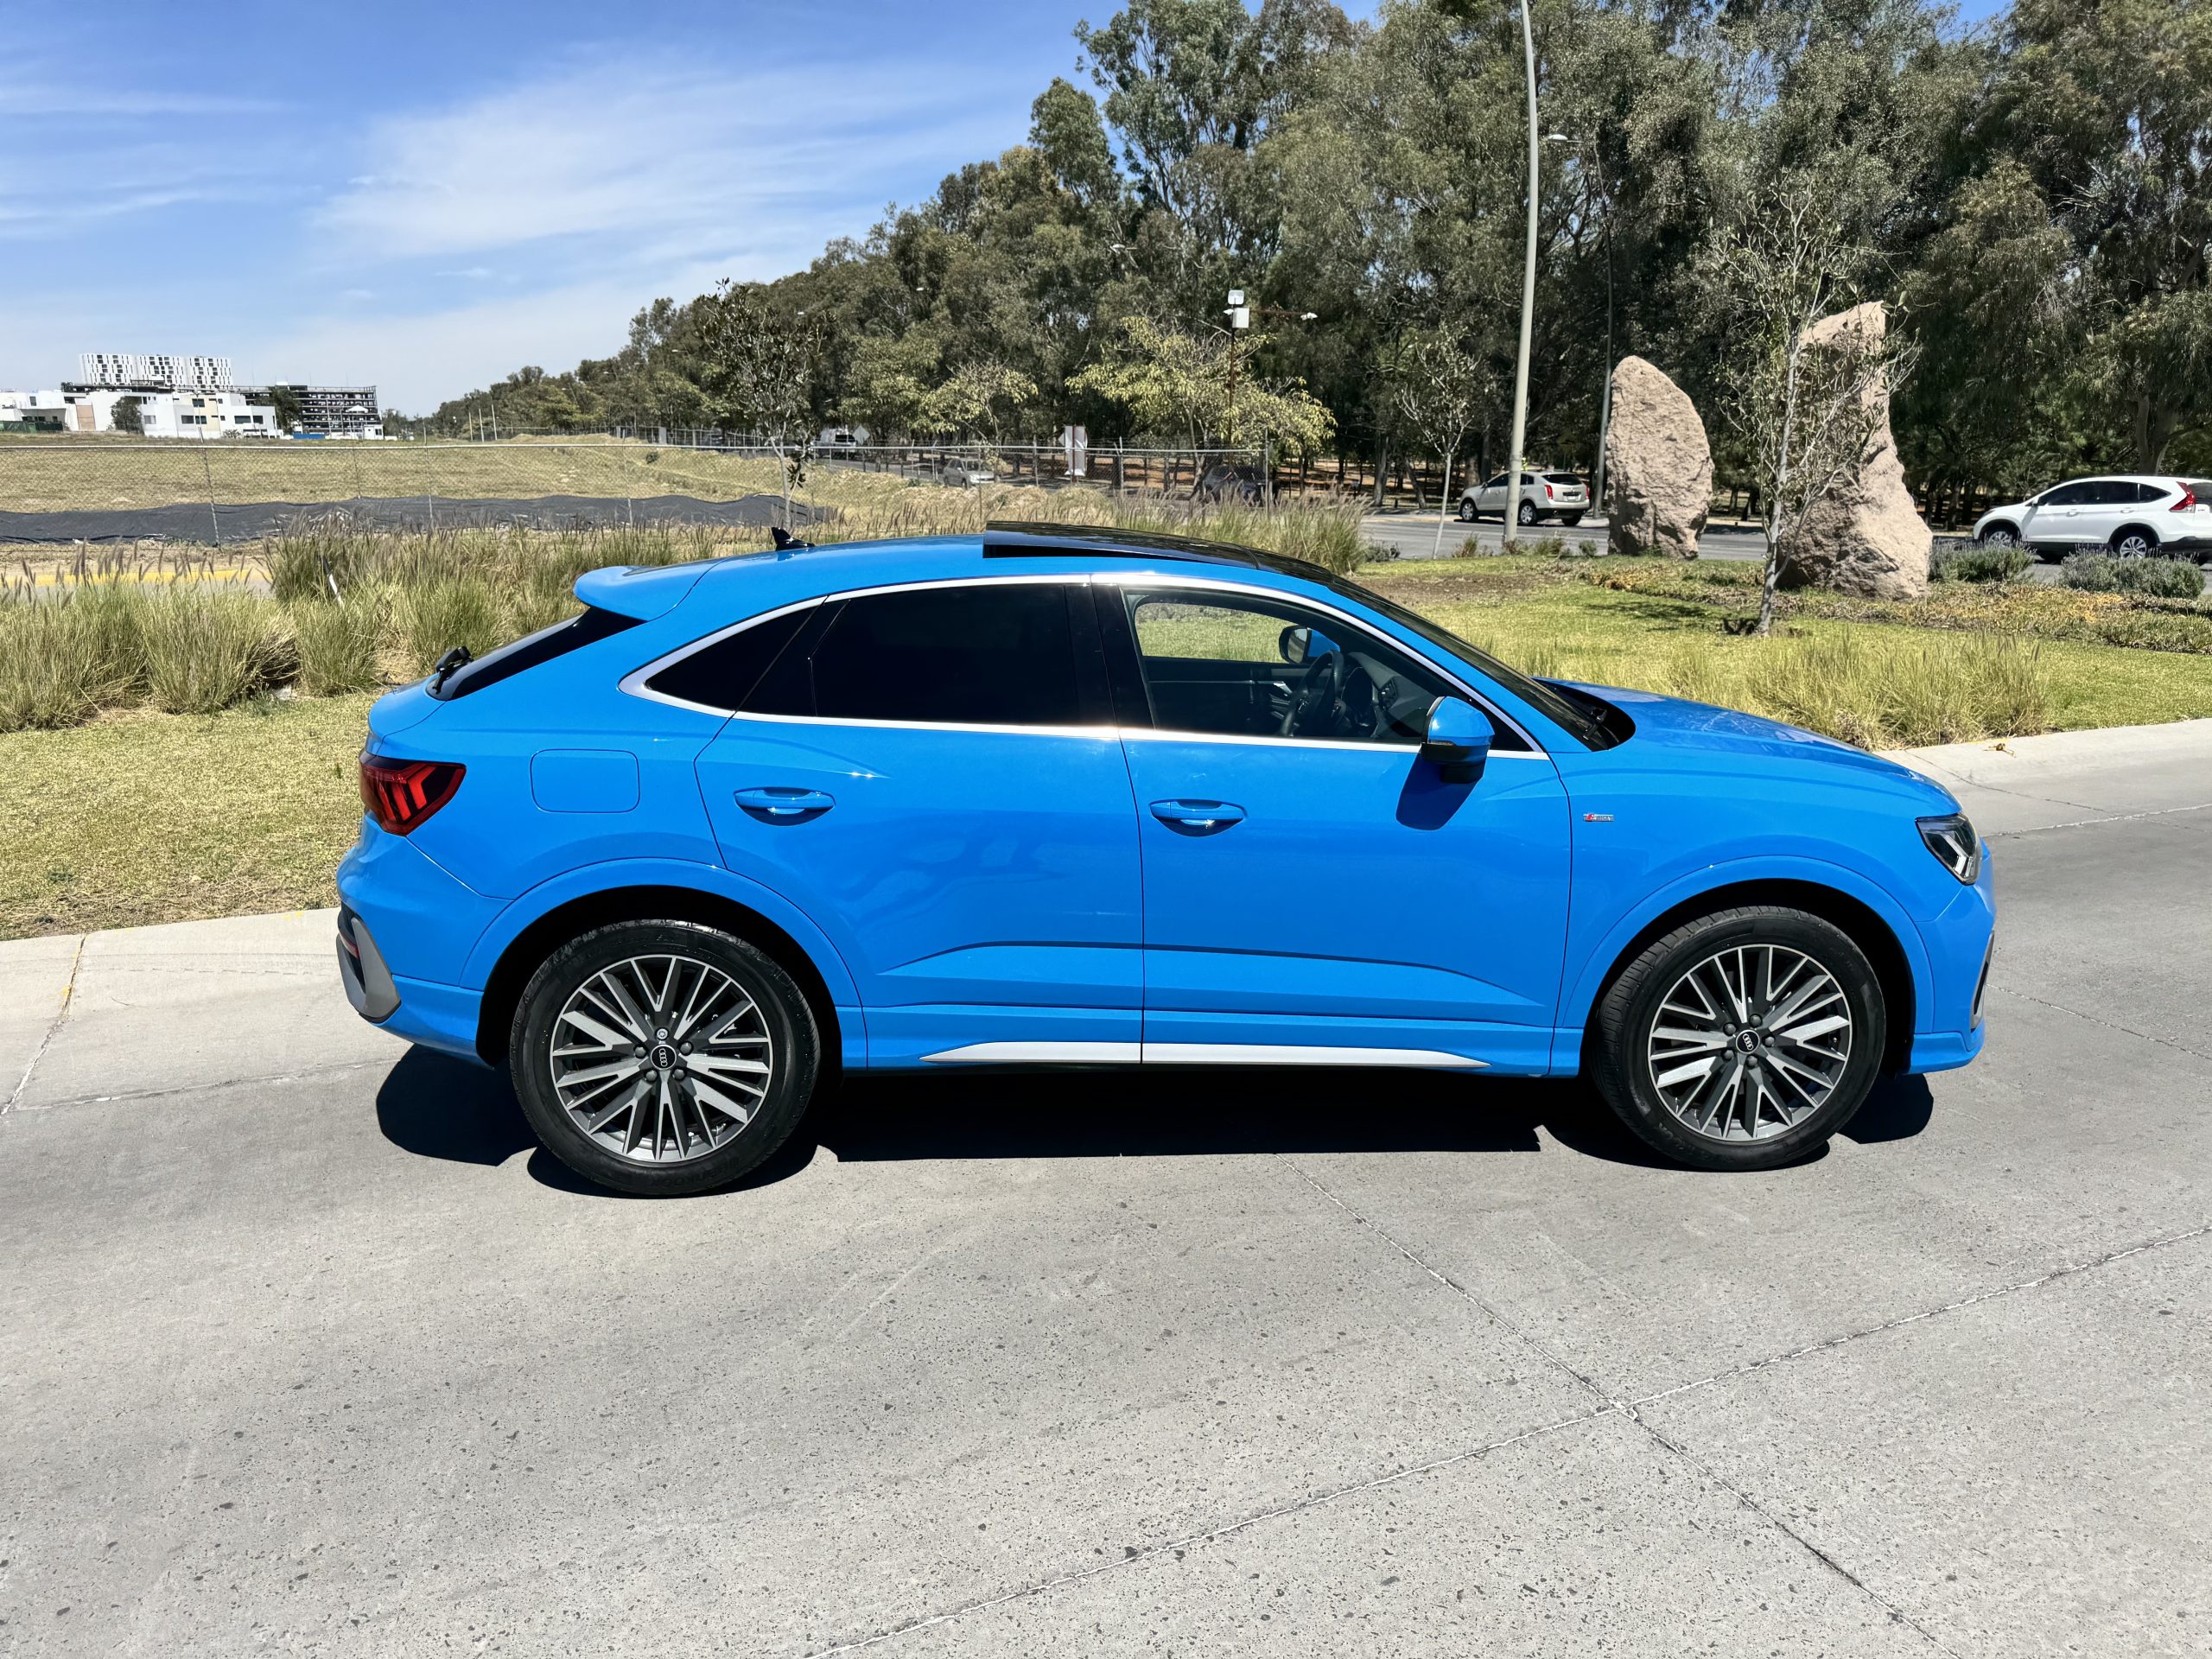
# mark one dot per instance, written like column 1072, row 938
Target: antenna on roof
column 783, row 539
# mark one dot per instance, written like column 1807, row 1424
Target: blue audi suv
column 1056, row 797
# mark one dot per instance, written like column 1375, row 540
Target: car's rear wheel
column 1998, row 536
column 1527, row 514
column 2134, row 543
column 1742, row 1039
column 663, row 1057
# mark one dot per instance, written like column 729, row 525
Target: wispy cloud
column 690, row 160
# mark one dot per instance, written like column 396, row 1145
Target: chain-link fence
column 68, row 488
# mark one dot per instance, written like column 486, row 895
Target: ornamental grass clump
column 206, row 650
column 64, row 656
column 341, row 646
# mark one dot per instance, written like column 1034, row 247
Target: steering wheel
column 1318, row 690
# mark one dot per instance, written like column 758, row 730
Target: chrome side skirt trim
column 1038, row 1053
column 1082, row 1053
column 1301, row 1054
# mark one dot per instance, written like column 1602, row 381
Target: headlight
column 1952, row 840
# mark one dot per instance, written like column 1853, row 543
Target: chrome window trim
column 634, row 684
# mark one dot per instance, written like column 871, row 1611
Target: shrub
column 207, row 649
column 1471, row 548
column 440, row 615
column 1980, row 564
column 2156, row 578
column 339, row 645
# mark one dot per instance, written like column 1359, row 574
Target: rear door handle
column 785, row 805
column 1200, row 817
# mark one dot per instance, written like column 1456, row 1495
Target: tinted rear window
column 1562, row 478
column 531, row 650
column 996, row 654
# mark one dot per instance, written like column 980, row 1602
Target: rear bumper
column 406, row 928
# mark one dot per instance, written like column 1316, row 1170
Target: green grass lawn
column 139, row 817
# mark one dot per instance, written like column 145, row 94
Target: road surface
column 308, row 1352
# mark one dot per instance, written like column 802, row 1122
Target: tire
column 1466, row 510
column 1997, row 536
column 1528, row 513
column 687, row 1133
column 1628, row 1055
column 2133, row 542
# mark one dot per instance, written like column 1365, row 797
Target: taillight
column 401, row 794
column 1550, row 492
column 2188, row 498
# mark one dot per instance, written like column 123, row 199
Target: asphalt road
column 306, row 1350
column 1413, row 535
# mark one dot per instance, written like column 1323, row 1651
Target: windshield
column 1554, row 703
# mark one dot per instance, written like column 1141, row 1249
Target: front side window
column 1243, row 665
column 2068, row 495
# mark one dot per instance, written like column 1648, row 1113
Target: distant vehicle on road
column 2133, row 514
column 1051, row 796
column 1562, row 496
column 1230, row 481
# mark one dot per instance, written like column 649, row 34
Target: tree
column 1171, row 380
column 761, row 365
column 285, row 401
column 128, row 416
column 1803, row 406
column 978, row 399
column 1438, row 390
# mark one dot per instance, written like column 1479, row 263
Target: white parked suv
column 1562, row 496
column 2131, row 514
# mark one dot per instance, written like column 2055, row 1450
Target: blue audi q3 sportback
column 1064, row 797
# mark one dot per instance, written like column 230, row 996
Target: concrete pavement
column 308, row 1349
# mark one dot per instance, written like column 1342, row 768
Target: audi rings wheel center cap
column 1746, row 1042
column 663, row 1057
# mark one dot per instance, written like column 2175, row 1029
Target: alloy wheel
column 2134, row 546
column 661, row 1058
column 1750, row 1042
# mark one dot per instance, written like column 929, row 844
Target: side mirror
column 1460, row 736
column 1294, row 643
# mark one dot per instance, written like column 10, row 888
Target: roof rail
column 1019, row 538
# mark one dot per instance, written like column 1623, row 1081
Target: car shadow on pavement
column 437, row 1107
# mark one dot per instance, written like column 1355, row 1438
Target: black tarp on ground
column 253, row 520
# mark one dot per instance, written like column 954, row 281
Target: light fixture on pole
column 1512, row 505
column 1240, row 318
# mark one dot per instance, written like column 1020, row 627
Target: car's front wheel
column 663, row 1057
column 1742, row 1039
column 1527, row 514
column 1467, row 509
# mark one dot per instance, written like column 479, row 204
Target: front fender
column 1582, row 979
column 613, row 874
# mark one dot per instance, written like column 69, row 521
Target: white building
column 161, row 413
column 161, row 369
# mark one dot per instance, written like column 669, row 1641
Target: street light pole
column 1528, row 300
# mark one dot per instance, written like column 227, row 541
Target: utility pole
column 1528, row 300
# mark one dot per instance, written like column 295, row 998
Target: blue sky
column 426, row 196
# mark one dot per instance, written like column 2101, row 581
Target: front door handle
column 776, row 806
column 1197, row 818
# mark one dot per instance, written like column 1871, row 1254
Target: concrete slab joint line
column 1749, row 1504
column 61, row 1014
